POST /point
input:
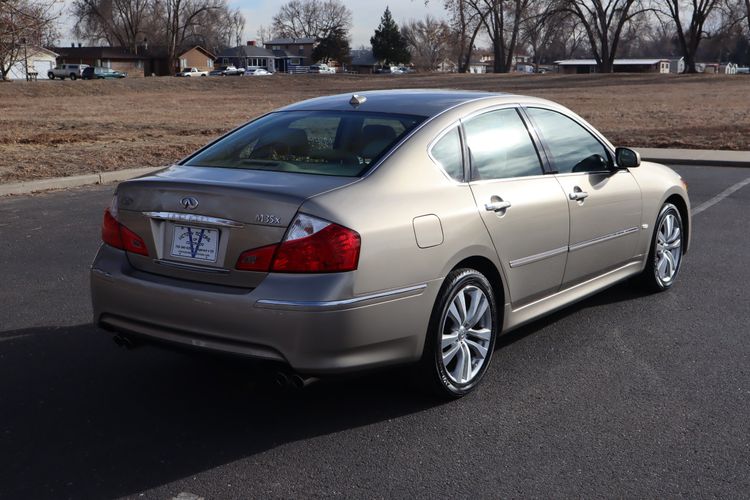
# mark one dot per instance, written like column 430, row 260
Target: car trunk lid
column 197, row 221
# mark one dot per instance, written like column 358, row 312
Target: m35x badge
column 267, row 219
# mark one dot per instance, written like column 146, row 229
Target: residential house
column 196, row 57
column 247, row 55
column 362, row 61
column 582, row 66
column 677, row 65
column 296, row 47
column 34, row 60
column 117, row 58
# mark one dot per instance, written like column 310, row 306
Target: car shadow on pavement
column 80, row 417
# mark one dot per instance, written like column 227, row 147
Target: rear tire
column 51, row 76
column 73, row 76
column 665, row 254
column 461, row 334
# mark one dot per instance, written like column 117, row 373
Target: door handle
column 497, row 206
column 578, row 195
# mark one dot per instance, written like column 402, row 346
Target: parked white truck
column 192, row 72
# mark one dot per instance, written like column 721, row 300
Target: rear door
column 605, row 203
column 524, row 210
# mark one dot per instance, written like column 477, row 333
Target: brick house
column 117, row 58
column 196, row 57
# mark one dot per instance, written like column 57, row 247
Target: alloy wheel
column 466, row 329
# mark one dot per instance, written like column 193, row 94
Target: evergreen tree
column 334, row 46
column 388, row 44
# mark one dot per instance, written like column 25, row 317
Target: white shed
column 40, row 60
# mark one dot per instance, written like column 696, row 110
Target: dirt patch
column 62, row 128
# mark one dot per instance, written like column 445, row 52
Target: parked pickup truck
column 192, row 72
column 63, row 71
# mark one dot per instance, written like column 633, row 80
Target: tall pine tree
column 388, row 44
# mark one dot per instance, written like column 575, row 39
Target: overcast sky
column 365, row 16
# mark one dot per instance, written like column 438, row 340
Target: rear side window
column 500, row 146
column 342, row 143
column 572, row 147
column 448, row 154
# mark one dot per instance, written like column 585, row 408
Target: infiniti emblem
column 189, row 202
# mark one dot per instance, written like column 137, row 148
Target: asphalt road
column 622, row 395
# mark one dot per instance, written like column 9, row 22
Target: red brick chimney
column 251, row 43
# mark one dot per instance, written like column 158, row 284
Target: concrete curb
column 704, row 157
column 73, row 181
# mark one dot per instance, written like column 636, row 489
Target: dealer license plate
column 195, row 243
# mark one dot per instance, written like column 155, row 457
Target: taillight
column 257, row 259
column 119, row 236
column 311, row 245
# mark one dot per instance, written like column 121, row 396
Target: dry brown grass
column 50, row 129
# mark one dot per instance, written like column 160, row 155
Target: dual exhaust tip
column 282, row 379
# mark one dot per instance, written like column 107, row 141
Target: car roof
column 423, row 102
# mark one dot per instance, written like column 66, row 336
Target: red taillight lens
column 111, row 230
column 119, row 236
column 258, row 259
column 311, row 245
column 316, row 246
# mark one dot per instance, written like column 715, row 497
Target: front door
column 525, row 212
column 604, row 203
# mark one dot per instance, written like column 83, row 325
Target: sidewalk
column 704, row 157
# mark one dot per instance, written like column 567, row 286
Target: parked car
column 256, row 72
column 191, row 72
column 413, row 227
column 225, row 71
column 63, row 71
column 97, row 72
column 321, row 68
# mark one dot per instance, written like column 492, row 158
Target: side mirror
column 627, row 158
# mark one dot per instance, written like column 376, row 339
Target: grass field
column 63, row 128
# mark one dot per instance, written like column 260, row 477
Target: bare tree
column 428, row 41
column 690, row 19
column 467, row 21
column 603, row 21
column 23, row 23
column 265, row 34
column 503, row 21
column 311, row 18
column 116, row 22
column 544, row 26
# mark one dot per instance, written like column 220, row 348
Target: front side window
column 447, row 152
column 572, row 147
column 500, row 146
column 342, row 143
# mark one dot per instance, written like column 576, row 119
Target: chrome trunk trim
column 193, row 219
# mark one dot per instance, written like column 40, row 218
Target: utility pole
column 25, row 59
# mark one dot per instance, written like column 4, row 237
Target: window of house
column 183, row 63
column 138, row 64
column 500, row 146
column 294, row 61
column 276, row 47
column 572, row 147
column 209, row 63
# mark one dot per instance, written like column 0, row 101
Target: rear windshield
column 342, row 143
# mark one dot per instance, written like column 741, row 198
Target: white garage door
column 42, row 67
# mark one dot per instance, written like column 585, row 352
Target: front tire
column 51, row 76
column 665, row 254
column 461, row 335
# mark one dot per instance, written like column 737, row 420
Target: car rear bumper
column 313, row 323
